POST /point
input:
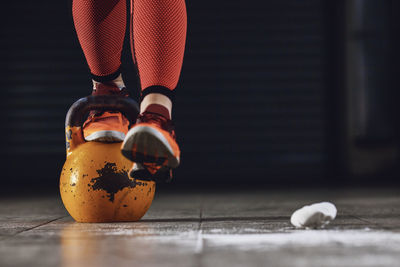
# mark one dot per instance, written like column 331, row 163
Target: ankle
column 157, row 109
column 157, row 103
column 117, row 82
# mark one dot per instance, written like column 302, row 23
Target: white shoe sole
column 150, row 145
column 106, row 136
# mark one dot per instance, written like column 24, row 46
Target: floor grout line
column 39, row 225
column 361, row 219
column 221, row 219
column 31, row 228
column 199, row 241
column 371, row 222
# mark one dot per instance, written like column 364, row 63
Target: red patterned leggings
column 157, row 32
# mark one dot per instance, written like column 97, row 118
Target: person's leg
column 100, row 26
column 158, row 35
column 158, row 38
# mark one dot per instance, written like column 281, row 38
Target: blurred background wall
column 275, row 92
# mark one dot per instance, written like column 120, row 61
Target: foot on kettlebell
column 106, row 126
column 151, row 144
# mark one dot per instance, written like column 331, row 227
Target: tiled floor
column 208, row 229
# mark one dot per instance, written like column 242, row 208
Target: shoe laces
column 96, row 115
column 157, row 119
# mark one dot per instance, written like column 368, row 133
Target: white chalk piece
column 314, row 216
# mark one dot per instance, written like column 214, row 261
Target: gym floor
column 235, row 228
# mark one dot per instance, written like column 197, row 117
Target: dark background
column 272, row 93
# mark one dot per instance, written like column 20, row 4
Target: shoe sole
column 150, row 146
column 106, row 136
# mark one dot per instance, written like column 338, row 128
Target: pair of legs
column 158, row 33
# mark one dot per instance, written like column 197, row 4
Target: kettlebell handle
column 78, row 110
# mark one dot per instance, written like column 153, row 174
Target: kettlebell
column 94, row 183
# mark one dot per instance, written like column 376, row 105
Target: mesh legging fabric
column 100, row 26
column 158, row 34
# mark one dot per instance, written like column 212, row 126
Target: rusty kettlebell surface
column 94, row 183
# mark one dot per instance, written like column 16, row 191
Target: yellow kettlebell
column 94, row 183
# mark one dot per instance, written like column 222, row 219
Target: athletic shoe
column 106, row 126
column 151, row 144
